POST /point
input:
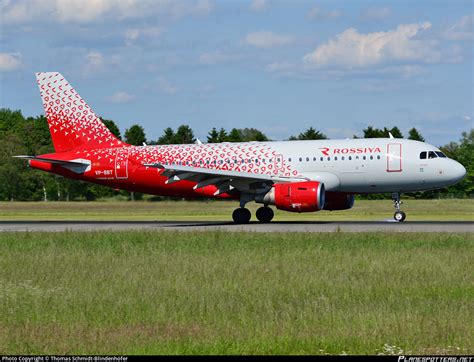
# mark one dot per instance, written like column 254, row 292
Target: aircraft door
column 279, row 162
column 121, row 164
column 394, row 157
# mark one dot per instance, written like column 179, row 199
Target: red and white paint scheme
column 295, row 176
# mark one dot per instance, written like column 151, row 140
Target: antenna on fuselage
column 390, row 135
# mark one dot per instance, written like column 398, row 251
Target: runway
column 288, row 226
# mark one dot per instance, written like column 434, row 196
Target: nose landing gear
column 399, row 215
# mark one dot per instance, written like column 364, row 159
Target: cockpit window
column 423, row 155
column 440, row 154
column 431, row 154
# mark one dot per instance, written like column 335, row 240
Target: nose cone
column 457, row 171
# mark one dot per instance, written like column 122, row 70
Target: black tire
column 264, row 214
column 399, row 216
column 241, row 215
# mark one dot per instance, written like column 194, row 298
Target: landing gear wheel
column 241, row 215
column 264, row 214
column 399, row 216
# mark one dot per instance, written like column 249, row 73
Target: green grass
column 417, row 210
column 236, row 293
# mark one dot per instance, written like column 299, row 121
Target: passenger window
column 423, row 155
column 371, row 157
column 307, row 159
column 289, row 160
column 378, row 157
column 342, row 158
column 314, row 158
column 357, row 157
column 431, row 154
column 335, row 158
column 322, row 158
column 329, row 158
column 363, row 157
column 350, row 158
column 440, row 154
column 301, row 159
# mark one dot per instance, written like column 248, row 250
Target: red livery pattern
column 78, row 133
column 72, row 122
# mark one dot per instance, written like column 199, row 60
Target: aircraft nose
column 457, row 171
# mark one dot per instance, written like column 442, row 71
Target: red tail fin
column 72, row 123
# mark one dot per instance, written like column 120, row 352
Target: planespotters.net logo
column 436, row 359
column 326, row 151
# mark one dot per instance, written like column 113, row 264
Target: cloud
column 376, row 13
column 462, row 30
column 317, row 13
column 267, row 39
column 166, row 87
column 120, row 97
column 94, row 62
column 10, row 62
column 133, row 34
column 218, row 56
column 351, row 49
column 259, row 5
column 95, row 58
column 86, row 11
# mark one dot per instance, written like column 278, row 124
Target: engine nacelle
column 338, row 201
column 296, row 196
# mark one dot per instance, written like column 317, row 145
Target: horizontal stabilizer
column 77, row 165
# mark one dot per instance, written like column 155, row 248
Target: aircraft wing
column 78, row 165
column 224, row 180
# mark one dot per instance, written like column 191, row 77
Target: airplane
column 294, row 176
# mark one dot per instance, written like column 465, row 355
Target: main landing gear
column 242, row 215
column 264, row 214
column 399, row 215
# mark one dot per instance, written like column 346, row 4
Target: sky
column 279, row 66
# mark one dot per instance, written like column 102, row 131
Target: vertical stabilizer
column 72, row 123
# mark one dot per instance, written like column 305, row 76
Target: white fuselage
column 369, row 165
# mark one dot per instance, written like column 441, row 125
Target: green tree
column 242, row 135
column 112, row 127
column 310, row 134
column 167, row 138
column 36, row 136
column 135, row 135
column 11, row 169
column 462, row 152
column 252, row 134
column 234, row 136
column 371, row 132
column 184, row 135
column 413, row 134
column 213, row 136
column 222, row 137
column 10, row 121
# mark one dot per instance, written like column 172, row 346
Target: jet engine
column 295, row 196
column 338, row 201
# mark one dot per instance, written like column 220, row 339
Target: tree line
column 30, row 136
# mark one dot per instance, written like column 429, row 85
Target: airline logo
column 349, row 151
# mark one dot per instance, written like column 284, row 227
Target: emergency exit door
column 121, row 164
column 394, row 157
